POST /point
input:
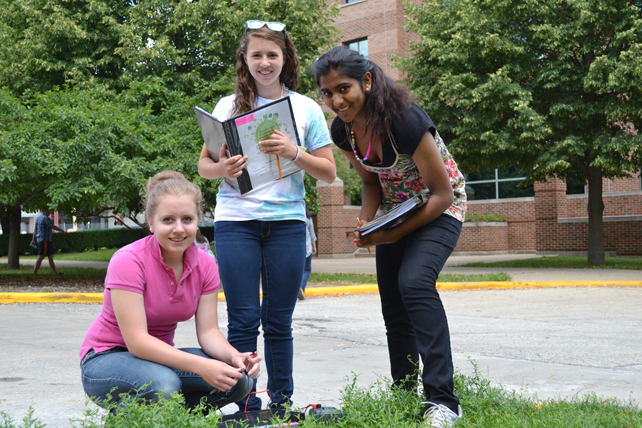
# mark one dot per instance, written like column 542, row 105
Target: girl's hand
column 233, row 165
column 220, row 375
column 250, row 362
column 375, row 238
column 278, row 144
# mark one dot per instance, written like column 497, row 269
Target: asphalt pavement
column 549, row 342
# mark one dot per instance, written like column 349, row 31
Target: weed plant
column 380, row 405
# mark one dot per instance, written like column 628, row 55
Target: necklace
column 354, row 146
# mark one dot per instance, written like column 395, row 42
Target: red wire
column 256, row 392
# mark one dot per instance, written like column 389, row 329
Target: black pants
column 414, row 315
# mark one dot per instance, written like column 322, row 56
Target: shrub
column 475, row 218
column 80, row 241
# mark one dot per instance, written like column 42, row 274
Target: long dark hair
column 386, row 99
column 245, row 89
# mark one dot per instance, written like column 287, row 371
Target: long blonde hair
column 171, row 183
column 245, row 89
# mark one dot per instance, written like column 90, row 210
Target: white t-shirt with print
column 280, row 199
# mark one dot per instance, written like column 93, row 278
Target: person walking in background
column 395, row 148
column 151, row 286
column 310, row 250
column 43, row 237
column 260, row 235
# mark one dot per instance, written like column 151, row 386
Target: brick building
column 548, row 217
column 551, row 221
column 375, row 29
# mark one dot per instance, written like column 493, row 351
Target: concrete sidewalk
column 548, row 342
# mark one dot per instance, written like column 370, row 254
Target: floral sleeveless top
column 401, row 180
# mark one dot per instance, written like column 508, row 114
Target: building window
column 360, row 46
column 574, row 187
column 496, row 184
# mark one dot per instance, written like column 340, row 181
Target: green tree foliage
column 91, row 152
column 97, row 95
column 551, row 86
column 352, row 185
column 44, row 43
column 192, row 45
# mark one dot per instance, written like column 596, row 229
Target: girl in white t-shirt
column 260, row 235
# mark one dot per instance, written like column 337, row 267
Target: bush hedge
column 80, row 241
column 477, row 218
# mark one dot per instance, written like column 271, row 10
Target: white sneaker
column 440, row 416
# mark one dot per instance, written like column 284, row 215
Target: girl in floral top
column 395, row 148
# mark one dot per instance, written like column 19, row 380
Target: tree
column 551, row 86
column 192, row 45
column 47, row 43
column 130, row 73
column 23, row 177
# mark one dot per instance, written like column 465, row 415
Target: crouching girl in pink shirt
column 151, row 285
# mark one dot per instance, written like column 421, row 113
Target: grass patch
column 456, row 277
column 381, row 405
column 342, row 278
column 102, row 255
column 564, row 262
column 357, row 278
column 46, row 272
column 315, row 278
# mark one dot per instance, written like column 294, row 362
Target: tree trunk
column 595, row 214
column 14, row 237
column 4, row 219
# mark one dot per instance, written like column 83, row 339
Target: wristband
column 297, row 154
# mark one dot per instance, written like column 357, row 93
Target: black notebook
column 242, row 134
column 395, row 216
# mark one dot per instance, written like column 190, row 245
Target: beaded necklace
column 354, row 146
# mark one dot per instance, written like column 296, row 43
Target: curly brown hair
column 245, row 89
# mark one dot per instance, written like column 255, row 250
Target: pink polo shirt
column 139, row 267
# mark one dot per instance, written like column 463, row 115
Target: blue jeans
column 272, row 254
column 306, row 272
column 415, row 319
column 117, row 368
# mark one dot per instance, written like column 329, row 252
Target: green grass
column 315, row 278
column 102, row 255
column 357, row 278
column 45, row 271
column 456, row 277
column 381, row 405
column 564, row 262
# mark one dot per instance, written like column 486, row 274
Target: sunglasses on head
column 254, row 24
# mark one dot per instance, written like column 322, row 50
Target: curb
column 335, row 290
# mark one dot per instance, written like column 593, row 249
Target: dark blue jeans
column 272, row 255
column 413, row 313
column 117, row 368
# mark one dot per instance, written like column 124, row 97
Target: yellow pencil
column 359, row 222
column 278, row 163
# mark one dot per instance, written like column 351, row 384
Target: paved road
column 550, row 342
